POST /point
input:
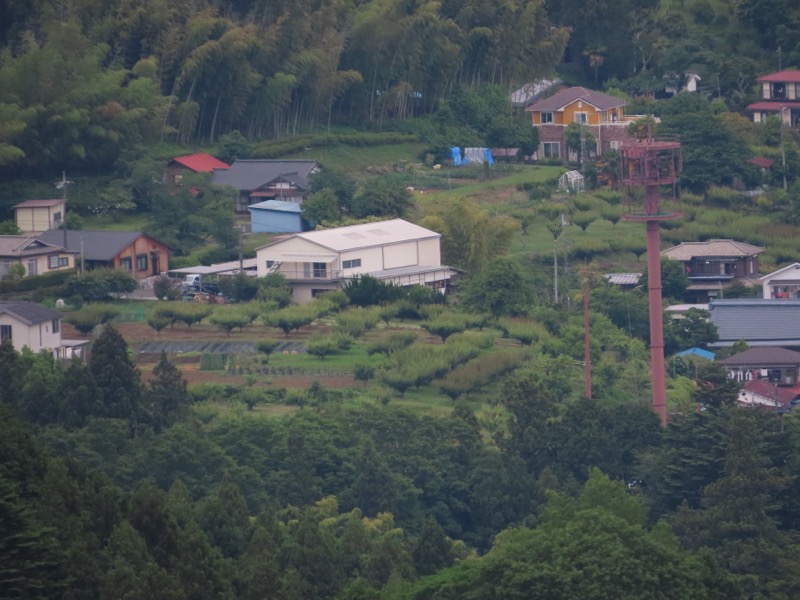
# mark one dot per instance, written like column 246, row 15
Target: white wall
column 36, row 337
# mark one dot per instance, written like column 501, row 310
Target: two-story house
column 780, row 96
column 713, row 265
column 36, row 327
column 393, row 251
column 603, row 115
column 261, row 180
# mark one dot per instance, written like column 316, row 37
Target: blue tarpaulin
column 488, row 156
column 455, row 153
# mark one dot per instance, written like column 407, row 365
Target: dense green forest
column 115, row 485
column 84, row 83
column 115, row 488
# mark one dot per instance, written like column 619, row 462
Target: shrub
column 357, row 321
column 212, row 362
column 166, row 288
column 229, row 320
column 322, row 346
column 89, row 317
column 396, row 341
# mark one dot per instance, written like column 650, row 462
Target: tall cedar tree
column 118, row 381
column 166, row 394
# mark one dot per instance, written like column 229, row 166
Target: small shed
column 571, row 181
column 276, row 216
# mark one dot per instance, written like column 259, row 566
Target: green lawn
column 356, row 159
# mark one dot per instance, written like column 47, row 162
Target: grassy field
column 356, row 160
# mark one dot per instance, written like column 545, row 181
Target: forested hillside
column 84, row 83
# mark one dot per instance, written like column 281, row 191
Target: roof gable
column 791, row 272
column 200, row 162
column 94, row 245
column 717, row 248
column 559, row 101
column 40, row 203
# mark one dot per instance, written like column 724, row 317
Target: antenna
column 62, row 185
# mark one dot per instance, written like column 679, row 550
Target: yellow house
column 36, row 256
column 36, row 216
column 604, row 116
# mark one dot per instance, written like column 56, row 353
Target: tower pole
column 656, row 318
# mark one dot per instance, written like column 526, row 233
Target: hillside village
column 382, row 300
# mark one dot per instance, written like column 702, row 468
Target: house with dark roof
column 35, row 216
column 602, row 114
column 38, row 257
column 133, row 251
column 714, row 265
column 261, row 180
column 191, row 163
column 780, row 97
column 36, row 327
column 757, row 321
column 772, row 364
column 782, row 284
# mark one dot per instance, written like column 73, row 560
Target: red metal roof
column 772, row 105
column 780, row 394
column 762, row 161
column 788, row 76
column 200, row 162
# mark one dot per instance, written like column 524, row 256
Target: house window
column 551, row 150
column 5, row 265
column 56, row 325
column 351, row 264
column 56, row 262
column 270, row 263
column 547, row 117
column 779, row 91
column 141, row 262
column 581, row 117
column 320, row 269
column 615, row 144
column 126, row 263
column 57, row 219
column 5, row 333
column 33, row 267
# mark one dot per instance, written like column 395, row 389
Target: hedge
column 297, row 144
column 35, row 282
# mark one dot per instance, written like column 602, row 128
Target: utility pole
column 587, row 347
column 555, row 269
column 783, row 152
column 62, row 185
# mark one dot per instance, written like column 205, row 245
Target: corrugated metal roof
column 278, row 205
column 772, row 105
column 758, row 321
column 558, row 101
column 200, row 162
column 781, row 76
column 711, row 248
column 29, row 313
column 623, row 278
column 364, row 235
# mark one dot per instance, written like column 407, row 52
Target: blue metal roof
column 698, row 352
column 278, row 205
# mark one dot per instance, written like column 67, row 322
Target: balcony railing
column 311, row 274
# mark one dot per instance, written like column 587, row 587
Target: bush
column 166, row 288
column 212, row 362
column 322, row 346
column 89, row 317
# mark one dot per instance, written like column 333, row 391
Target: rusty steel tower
column 651, row 171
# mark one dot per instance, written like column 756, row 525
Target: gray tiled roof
column 558, row 101
column 249, row 175
column 763, row 356
column 758, row 321
column 719, row 248
column 95, row 245
column 29, row 312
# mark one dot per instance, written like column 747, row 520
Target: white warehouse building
column 394, row 251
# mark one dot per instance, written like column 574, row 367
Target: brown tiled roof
column 763, row 356
column 772, row 105
column 558, row 101
column 723, row 248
